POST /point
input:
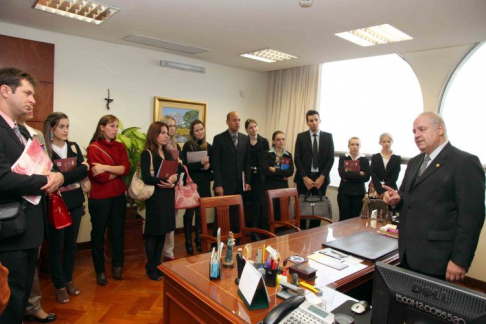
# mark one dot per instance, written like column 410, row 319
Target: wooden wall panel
column 36, row 58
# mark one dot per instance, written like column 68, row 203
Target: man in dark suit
column 441, row 202
column 19, row 253
column 314, row 157
column 230, row 159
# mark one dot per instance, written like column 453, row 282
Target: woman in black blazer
column 160, row 216
column 258, row 146
column 202, row 174
column 385, row 167
column 277, row 167
column 63, row 241
column 352, row 187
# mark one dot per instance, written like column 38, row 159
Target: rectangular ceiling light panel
column 268, row 56
column 374, row 35
column 82, row 10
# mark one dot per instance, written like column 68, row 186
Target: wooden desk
column 189, row 295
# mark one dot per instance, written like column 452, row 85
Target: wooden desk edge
column 173, row 281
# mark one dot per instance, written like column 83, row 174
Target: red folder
column 351, row 165
column 66, row 165
column 167, row 168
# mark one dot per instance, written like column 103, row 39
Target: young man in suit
column 230, row 159
column 19, row 253
column 441, row 202
column 314, row 157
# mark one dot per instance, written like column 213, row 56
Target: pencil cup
column 271, row 277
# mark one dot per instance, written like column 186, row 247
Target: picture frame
column 183, row 111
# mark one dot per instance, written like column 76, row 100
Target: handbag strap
column 151, row 164
column 307, row 195
column 189, row 179
column 99, row 148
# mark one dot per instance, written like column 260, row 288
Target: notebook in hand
column 351, row 165
column 167, row 168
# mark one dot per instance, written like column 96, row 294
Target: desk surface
column 190, row 295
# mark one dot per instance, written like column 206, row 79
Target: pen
column 330, row 255
column 339, row 254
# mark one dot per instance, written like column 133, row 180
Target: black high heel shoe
column 101, row 279
column 50, row 318
column 154, row 276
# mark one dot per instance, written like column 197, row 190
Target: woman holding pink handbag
column 160, row 215
column 201, row 174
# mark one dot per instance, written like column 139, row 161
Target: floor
column 136, row 299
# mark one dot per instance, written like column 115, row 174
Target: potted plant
column 134, row 141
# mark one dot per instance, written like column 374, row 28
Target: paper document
column 34, row 160
column 193, row 157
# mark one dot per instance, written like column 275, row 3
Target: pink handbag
column 186, row 197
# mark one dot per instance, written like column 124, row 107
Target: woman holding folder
column 175, row 150
column 196, row 154
column 354, row 170
column 68, row 160
column 160, row 217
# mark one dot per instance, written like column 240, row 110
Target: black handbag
column 12, row 220
column 315, row 205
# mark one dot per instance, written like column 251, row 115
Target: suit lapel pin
column 437, row 165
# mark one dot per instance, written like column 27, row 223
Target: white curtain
column 291, row 93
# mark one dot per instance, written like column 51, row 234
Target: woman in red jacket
column 108, row 163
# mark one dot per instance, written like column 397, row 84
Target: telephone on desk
column 297, row 309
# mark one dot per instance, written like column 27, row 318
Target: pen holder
column 271, row 277
column 214, row 271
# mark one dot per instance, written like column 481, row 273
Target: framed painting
column 183, row 111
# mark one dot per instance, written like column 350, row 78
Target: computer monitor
column 404, row 296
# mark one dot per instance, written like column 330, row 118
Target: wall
column 85, row 69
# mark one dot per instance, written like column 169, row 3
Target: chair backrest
column 222, row 205
column 284, row 196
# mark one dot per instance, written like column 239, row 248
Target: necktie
column 314, row 152
column 17, row 132
column 424, row 164
column 235, row 140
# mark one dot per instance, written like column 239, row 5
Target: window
column 464, row 102
column 367, row 97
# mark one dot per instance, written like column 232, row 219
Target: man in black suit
column 441, row 202
column 314, row 157
column 19, row 253
column 230, row 159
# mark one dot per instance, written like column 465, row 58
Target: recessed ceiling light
column 269, row 56
column 374, row 35
column 83, row 10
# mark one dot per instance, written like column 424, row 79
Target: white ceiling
column 227, row 28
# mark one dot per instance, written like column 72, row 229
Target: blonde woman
column 172, row 147
column 385, row 166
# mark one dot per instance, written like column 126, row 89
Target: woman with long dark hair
column 160, row 216
column 201, row 174
column 108, row 163
column 68, row 160
column 277, row 166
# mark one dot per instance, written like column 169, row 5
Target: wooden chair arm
column 208, row 237
column 296, row 228
column 317, row 218
column 261, row 231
